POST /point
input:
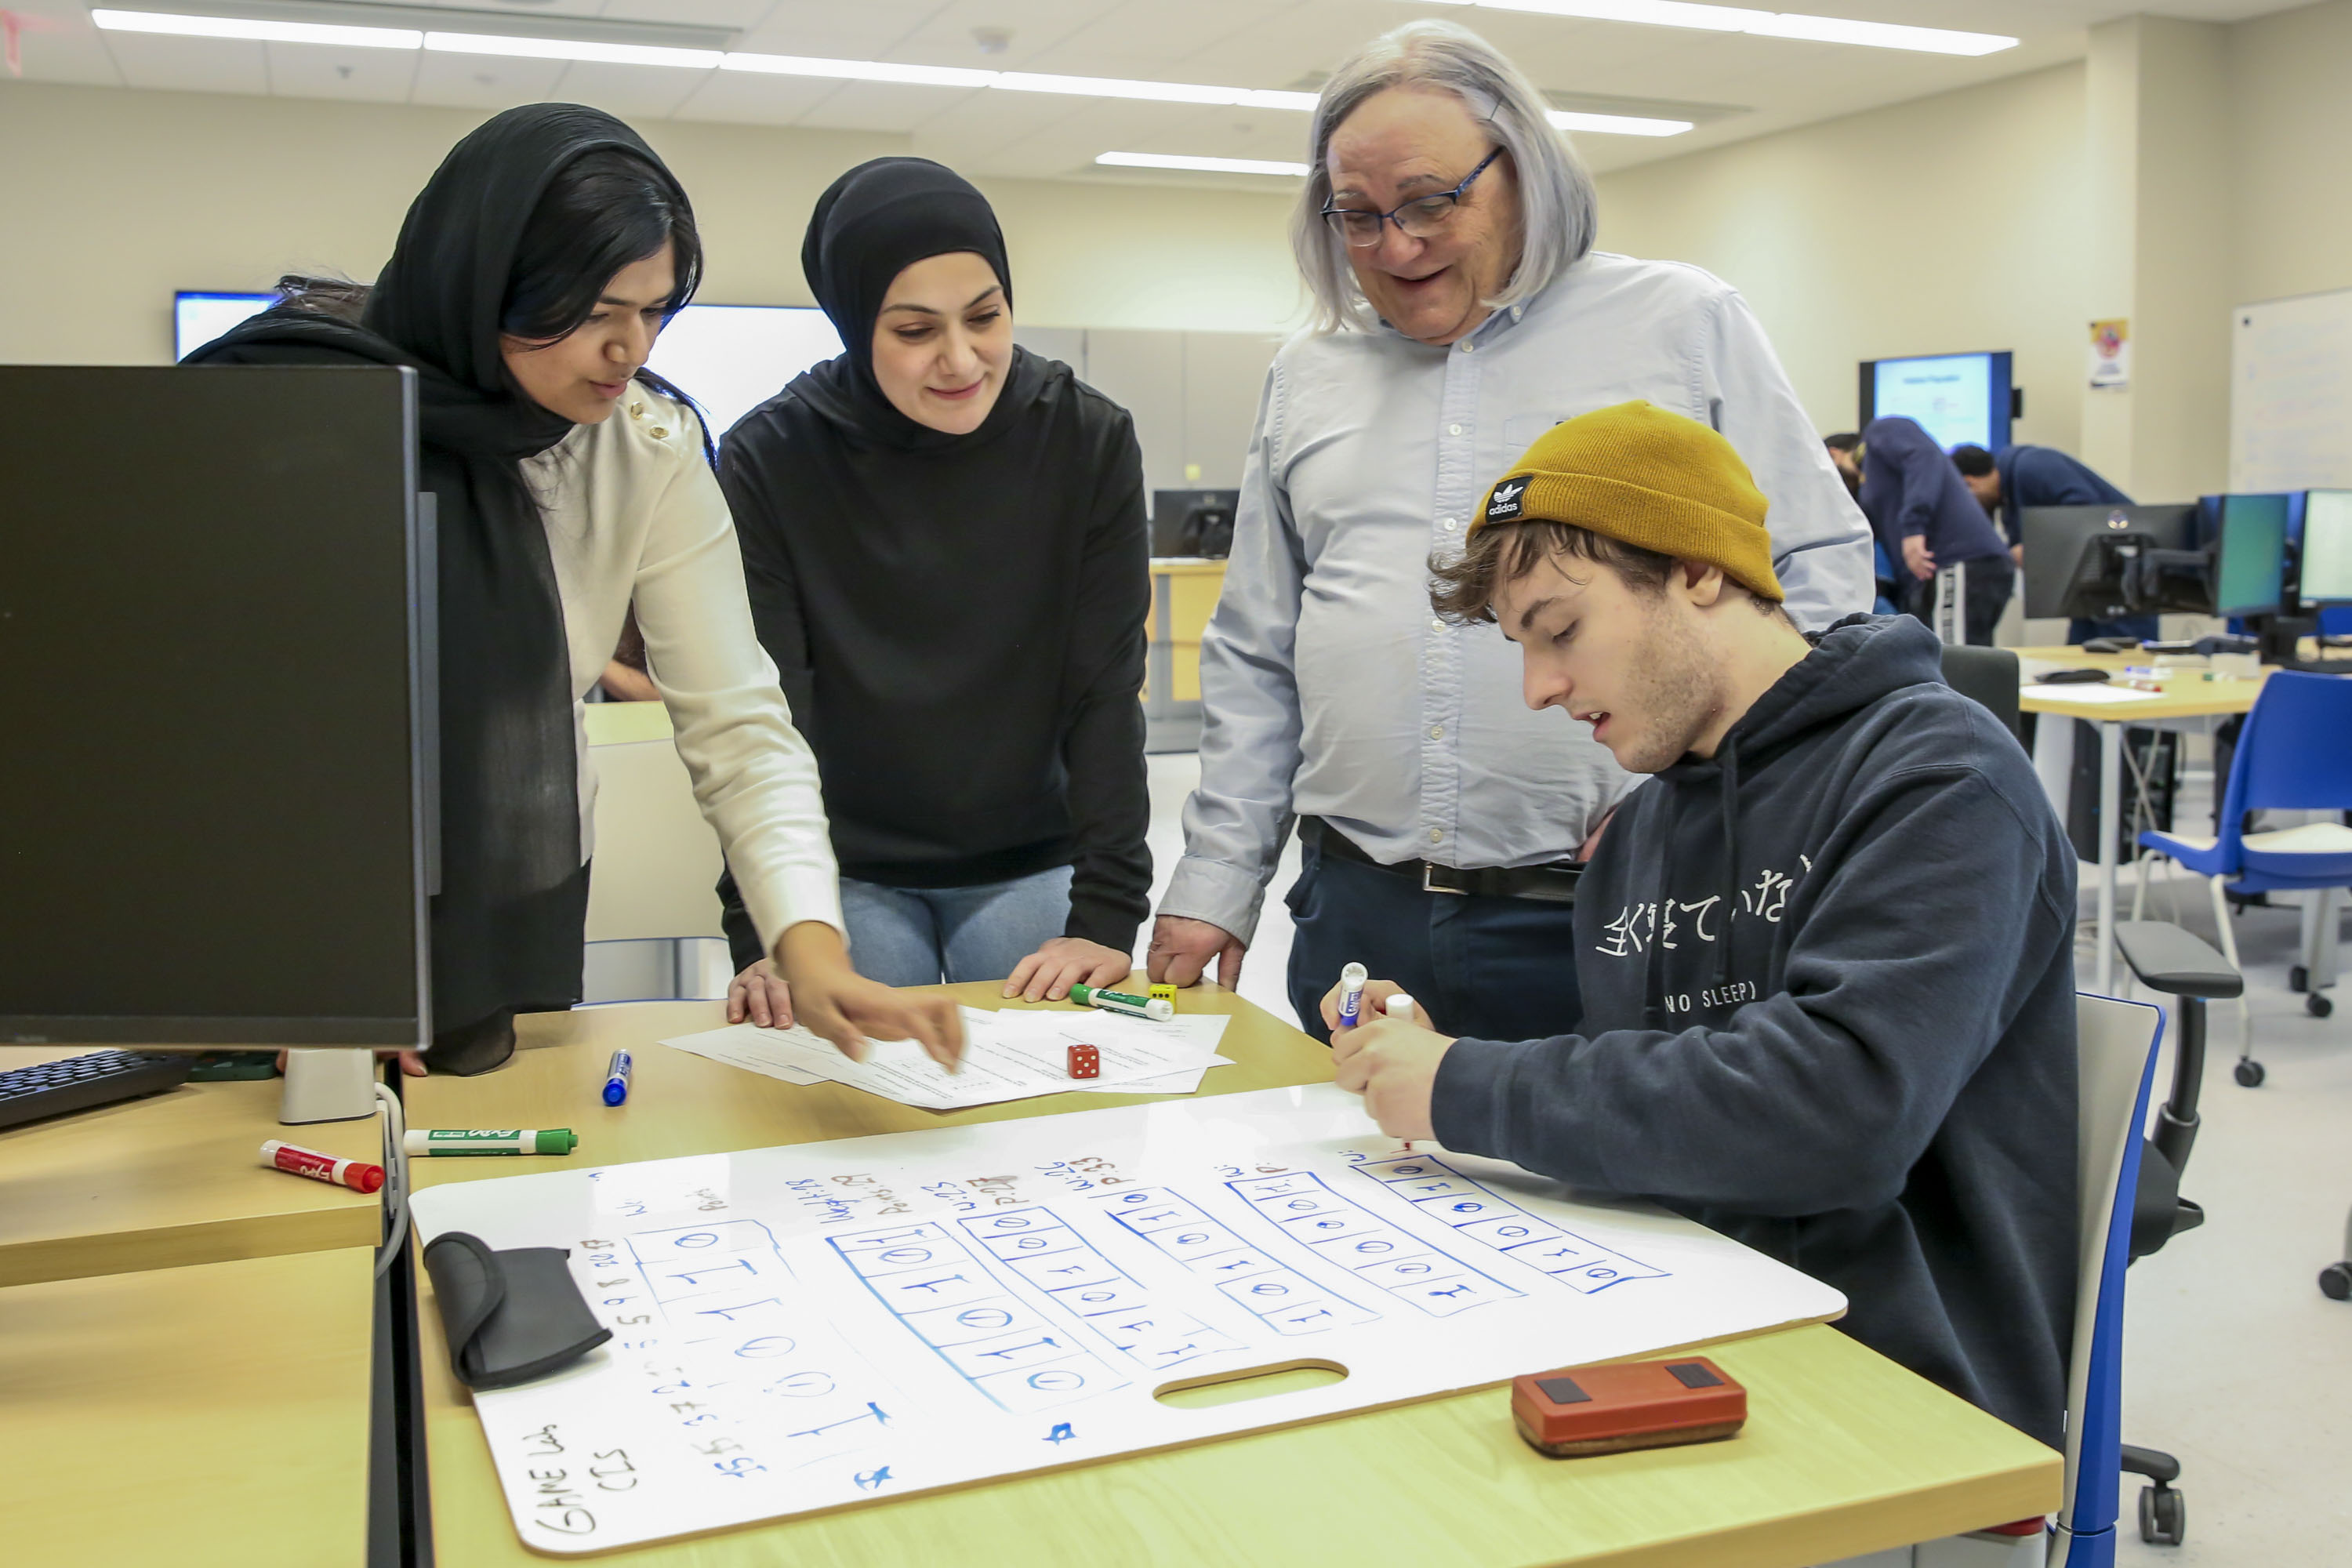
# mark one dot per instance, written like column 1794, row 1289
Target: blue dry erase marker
column 1351, row 993
column 617, row 1078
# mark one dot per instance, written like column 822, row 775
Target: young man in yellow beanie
column 1826, row 953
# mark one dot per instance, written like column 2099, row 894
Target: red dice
column 1085, row 1062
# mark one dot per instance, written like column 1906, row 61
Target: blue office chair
column 2293, row 755
column 2116, row 1046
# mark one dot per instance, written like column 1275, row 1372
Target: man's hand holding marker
column 1389, row 1059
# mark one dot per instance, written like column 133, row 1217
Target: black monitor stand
column 2278, row 639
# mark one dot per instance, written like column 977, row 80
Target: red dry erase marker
column 358, row 1176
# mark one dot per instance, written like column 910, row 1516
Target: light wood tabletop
column 2190, row 691
column 208, row 1415
column 170, row 1180
column 1844, row 1451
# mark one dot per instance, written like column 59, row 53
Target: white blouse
column 634, row 512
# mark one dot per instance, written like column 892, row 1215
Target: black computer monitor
column 215, row 616
column 2325, row 576
column 2249, row 555
column 2061, row 541
column 1170, row 507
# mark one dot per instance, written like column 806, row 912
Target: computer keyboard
column 78, row 1083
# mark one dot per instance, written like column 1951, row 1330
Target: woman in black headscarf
column 944, row 539
column 528, row 282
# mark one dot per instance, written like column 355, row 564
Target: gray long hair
column 1557, row 206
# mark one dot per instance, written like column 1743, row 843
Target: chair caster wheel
column 2298, row 978
column 2335, row 1281
column 2318, row 1006
column 2249, row 1073
column 2163, row 1516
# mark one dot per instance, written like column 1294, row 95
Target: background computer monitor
column 1169, row 507
column 2326, row 562
column 729, row 358
column 1959, row 399
column 2056, row 538
column 215, row 617
column 2249, row 555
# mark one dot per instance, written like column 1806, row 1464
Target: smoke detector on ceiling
column 992, row 40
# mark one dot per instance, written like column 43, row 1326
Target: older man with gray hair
column 1445, row 231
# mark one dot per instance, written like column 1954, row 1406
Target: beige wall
column 1949, row 223
column 2291, row 157
column 116, row 198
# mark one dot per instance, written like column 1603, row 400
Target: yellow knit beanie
column 1645, row 476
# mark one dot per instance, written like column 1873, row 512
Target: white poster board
column 832, row 1323
column 2291, row 394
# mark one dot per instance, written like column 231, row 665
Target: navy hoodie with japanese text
column 1829, row 993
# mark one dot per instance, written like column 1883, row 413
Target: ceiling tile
column 748, row 98
column 482, row 81
column 191, row 64
column 869, row 29
column 885, row 106
column 370, row 75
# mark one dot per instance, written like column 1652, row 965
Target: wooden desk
column 168, row 1181
column 212, row 1415
column 2188, row 694
column 1844, row 1452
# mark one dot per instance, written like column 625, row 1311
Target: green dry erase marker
column 1156, row 1008
column 446, row 1141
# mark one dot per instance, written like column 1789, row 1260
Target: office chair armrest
column 2170, row 960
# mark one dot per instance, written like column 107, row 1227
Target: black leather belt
column 1553, row 884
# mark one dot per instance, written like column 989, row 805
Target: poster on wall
column 2111, row 355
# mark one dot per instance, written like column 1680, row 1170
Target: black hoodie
column 1829, row 992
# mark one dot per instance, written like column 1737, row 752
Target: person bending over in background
column 944, row 537
column 528, row 282
column 1845, row 452
column 1928, row 520
column 1826, row 955
column 2021, row 477
column 1445, row 234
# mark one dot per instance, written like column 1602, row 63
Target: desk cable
column 395, row 1179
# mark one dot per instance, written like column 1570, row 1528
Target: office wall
column 1948, row 223
column 2293, row 226
column 115, row 198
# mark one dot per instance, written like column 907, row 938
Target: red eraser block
column 1641, row 1405
column 1085, row 1062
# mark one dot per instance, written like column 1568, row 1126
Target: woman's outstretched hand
column 835, row 1003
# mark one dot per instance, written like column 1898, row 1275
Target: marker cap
column 1400, row 1007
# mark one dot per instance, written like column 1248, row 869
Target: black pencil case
column 510, row 1316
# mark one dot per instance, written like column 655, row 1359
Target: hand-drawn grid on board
column 944, row 1295
column 1303, row 1206
column 762, row 1386
column 1034, row 1244
column 1286, row 1301
column 1475, row 1211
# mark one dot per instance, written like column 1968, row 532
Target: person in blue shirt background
column 1923, row 512
column 1845, row 456
column 2016, row 478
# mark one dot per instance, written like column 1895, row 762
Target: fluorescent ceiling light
column 1762, row 24
column 1204, row 165
column 571, row 49
column 858, row 71
column 1616, row 124
column 256, row 32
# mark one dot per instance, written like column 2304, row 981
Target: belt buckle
column 1430, row 871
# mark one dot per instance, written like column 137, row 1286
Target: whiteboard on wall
column 2291, row 394
column 837, row 1323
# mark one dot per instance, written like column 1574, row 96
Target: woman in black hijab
column 529, row 279
column 944, row 539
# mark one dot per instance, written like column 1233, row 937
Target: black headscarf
column 509, row 917
column 871, row 224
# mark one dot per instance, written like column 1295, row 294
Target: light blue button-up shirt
column 1330, row 687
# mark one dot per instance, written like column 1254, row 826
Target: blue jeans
column 918, row 936
column 1495, row 969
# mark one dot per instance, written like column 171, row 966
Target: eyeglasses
column 1423, row 217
